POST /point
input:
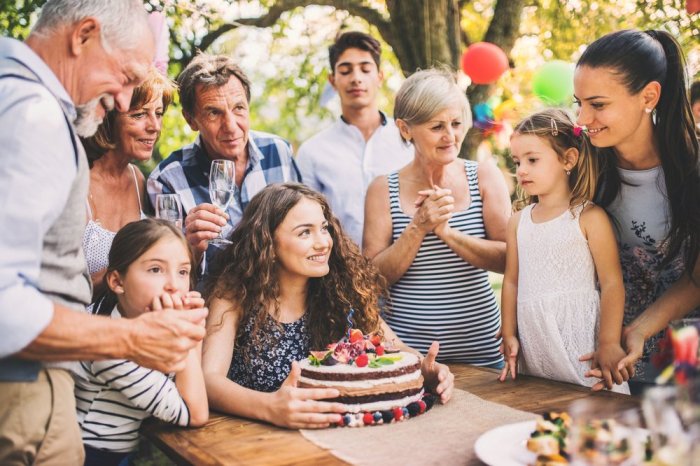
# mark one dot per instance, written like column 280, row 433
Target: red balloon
column 484, row 62
column 692, row 6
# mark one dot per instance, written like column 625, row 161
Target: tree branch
column 354, row 7
column 503, row 29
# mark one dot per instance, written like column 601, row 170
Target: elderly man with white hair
column 78, row 62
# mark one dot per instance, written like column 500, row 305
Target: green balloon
column 553, row 83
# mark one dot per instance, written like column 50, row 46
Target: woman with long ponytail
column 631, row 88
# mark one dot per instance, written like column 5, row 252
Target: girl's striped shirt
column 113, row 397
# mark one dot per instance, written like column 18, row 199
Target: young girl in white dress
column 563, row 295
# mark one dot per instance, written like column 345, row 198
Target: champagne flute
column 222, row 182
column 169, row 207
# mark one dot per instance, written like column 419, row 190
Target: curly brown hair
column 245, row 272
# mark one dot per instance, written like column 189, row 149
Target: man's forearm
column 73, row 335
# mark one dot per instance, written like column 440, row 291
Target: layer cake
column 378, row 385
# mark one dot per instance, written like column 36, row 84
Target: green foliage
column 565, row 27
column 287, row 62
column 16, row 15
column 288, row 67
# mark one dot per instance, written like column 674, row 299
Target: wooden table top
column 228, row 440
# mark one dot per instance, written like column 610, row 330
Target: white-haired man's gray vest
column 63, row 276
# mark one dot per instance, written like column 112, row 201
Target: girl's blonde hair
column 556, row 127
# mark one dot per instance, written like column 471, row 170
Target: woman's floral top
column 641, row 216
column 267, row 366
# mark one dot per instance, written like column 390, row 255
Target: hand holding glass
column 222, row 182
column 168, row 207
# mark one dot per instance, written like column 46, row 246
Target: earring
column 568, row 172
column 648, row 110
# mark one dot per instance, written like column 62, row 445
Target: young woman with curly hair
column 286, row 285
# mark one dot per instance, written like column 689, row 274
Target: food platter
column 505, row 445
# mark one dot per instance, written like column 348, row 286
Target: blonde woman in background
column 117, row 188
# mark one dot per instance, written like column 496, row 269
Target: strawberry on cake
column 378, row 383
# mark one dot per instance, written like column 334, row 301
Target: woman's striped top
column 441, row 296
column 113, row 397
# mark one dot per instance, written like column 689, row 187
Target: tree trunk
column 425, row 33
column 422, row 33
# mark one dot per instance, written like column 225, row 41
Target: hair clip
column 553, row 126
column 579, row 130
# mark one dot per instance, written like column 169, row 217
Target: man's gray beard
column 87, row 123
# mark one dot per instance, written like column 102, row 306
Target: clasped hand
column 162, row 338
column 435, row 208
column 603, row 364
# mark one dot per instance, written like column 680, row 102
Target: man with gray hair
column 78, row 62
column 215, row 96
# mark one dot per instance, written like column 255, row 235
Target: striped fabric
column 441, row 297
column 113, row 397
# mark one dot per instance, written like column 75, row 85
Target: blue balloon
column 482, row 113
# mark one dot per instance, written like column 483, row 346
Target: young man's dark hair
column 694, row 92
column 354, row 40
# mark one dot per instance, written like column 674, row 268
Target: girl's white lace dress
column 558, row 304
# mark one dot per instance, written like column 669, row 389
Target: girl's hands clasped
column 610, row 365
column 609, row 356
column 300, row 408
column 177, row 301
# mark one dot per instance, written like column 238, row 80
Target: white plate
column 505, row 445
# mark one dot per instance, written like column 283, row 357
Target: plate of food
column 539, row 442
column 506, row 445
column 550, row 440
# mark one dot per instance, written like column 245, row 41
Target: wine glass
column 169, row 207
column 222, row 182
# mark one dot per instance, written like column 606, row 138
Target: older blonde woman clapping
column 436, row 226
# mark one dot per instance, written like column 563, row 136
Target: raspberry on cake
column 379, row 384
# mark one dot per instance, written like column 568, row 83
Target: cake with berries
column 379, row 384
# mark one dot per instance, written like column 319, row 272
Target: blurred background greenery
column 283, row 47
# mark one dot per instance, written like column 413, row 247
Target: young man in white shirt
column 363, row 143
